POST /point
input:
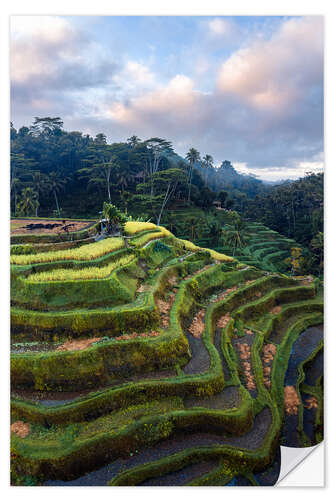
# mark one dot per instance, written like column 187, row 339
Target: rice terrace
column 140, row 358
column 166, row 249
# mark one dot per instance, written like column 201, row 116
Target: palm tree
column 56, row 184
column 207, row 162
column 235, row 236
column 29, row 201
column 193, row 156
column 40, row 185
column 16, row 184
column 133, row 141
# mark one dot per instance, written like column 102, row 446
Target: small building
column 217, row 204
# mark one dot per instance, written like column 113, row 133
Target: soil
column 135, row 335
column 48, row 226
column 77, row 345
column 267, row 358
column 243, row 348
column 224, row 294
column 20, row 428
column 164, row 308
column 223, row 321
column 291, row 400
column 276, row 310
column 198, row 324
column 302, row 348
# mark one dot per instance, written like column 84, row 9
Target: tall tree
column 56, row 184
column 207, row 163
column 102, row 162
column 40, row 186
column 193, row 156
column 157, row 149
column 28, row 202
column 133, row 141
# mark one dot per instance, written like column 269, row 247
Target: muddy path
column 183, row 476
column 178, row 442
column 302, row 348
column 55, row 398
column 315, row 369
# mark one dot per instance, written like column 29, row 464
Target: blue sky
column 246, row 89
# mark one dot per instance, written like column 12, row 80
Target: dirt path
column 302, row 348
column 178, row 442
column 313, row 372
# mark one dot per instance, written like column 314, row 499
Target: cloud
column 262, row 108
column 51, row 59
column 274, row 74
column 220, row 27
column 174, row 101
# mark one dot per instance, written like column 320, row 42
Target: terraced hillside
column 262, row 247
column 143, row 359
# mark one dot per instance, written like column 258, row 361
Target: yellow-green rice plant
column 81, row 274
column 215, row 255
column 140, row 241
column 133, row 227
column 86, row 252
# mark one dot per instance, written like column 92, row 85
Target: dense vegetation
column 68, row 174
column 180, row 366
column 166, row 340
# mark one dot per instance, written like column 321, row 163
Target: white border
column 133, row 7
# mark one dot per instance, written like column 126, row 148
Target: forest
column 57, row 173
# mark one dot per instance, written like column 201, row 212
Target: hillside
column 145, row 359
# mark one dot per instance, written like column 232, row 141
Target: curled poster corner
column 292, row 458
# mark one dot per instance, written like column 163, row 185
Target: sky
column 245, row 89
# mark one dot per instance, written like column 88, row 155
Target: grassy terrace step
column 69, row 460
column 56, row 369
column 84, row 253
column 266, row 251
column 139, row 315
column 273, row 299
column 29, row 248
column 257, row 245
column 117, row 288
column 187, row 384
column 150, row 413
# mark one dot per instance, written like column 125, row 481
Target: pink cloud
column 272, row 74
